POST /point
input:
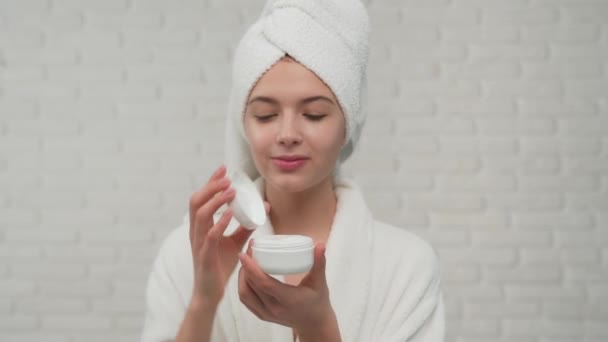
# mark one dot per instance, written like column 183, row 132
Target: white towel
column 329, row 37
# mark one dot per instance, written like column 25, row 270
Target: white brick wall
column 487, row 135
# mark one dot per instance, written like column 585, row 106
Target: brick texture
column 487, row 135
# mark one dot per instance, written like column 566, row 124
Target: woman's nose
column 288, row 134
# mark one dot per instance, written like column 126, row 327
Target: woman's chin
column 289, row 182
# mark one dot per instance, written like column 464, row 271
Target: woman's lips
column 289, row 165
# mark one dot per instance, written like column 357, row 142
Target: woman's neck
column 310, row 212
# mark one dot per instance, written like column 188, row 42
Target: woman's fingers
column 240, row 236
column 211, row 246
column 209, row 189
column 219, row 173
column 266, row 287
column 202, row 196
column 250, row 248
column 249, row 297
column 318, row 268
column 259, row 306
column 217, row 182
column 316, row 277
column 255, row 274
column 204, row 214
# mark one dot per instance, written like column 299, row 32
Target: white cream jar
column 284, row 254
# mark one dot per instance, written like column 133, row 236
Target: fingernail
column 229, row 192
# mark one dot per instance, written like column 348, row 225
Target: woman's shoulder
column 174, row 256
column 405, row 266
column 398, row 246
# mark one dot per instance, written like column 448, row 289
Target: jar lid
column 247, row 205
column 283, row 241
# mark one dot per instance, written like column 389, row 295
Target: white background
column 487, row 135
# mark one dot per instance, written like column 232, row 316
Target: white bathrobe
column 383, row 283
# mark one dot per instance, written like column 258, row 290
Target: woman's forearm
column 198, row 321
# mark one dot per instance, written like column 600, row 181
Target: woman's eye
column 264, row 118
column 315, row 117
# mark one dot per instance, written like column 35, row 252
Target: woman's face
column 294, row 126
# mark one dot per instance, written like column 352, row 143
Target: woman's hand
column 214, row 256
column 306, row 307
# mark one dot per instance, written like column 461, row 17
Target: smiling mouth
column 287, row 164
column 290, row 158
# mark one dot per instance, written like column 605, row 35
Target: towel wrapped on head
column 329, row 37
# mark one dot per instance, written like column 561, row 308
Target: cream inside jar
column 284, row 254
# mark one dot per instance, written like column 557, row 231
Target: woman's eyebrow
column 270, row 100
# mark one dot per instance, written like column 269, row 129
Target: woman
column 295, row 115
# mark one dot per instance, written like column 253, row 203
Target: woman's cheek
column 261, row 138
